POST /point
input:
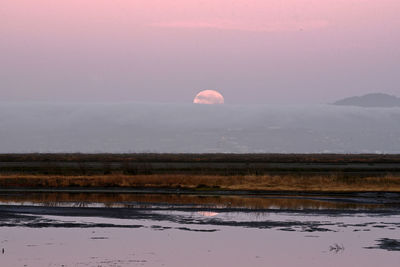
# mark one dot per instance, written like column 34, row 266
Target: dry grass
column 334, row 183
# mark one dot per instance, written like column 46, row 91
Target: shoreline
column 188, row 191
column 208, row 201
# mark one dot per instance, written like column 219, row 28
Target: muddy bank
column 387, row 244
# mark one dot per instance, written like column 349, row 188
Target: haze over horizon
column 253, row 52
column 191, row 128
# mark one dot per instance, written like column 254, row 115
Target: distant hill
column 370, row 100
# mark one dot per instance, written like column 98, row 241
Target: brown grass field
column 260, row 172
column 327, row 183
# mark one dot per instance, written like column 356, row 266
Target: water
column 193, row 230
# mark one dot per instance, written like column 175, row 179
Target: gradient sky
column 252, row 51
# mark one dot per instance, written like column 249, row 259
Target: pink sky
column 48, row 15
column 163, row 51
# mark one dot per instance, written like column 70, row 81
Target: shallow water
column 157, row 230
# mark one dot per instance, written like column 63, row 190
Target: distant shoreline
column 202, row 157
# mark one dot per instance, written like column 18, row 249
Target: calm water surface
column 192, row 230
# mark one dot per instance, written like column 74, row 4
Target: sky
column 252, row 51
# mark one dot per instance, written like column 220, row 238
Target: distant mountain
column 370, row 100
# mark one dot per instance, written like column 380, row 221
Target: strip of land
column 329, row 183
column 203, row 172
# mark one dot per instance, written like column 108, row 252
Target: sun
column 208, row 97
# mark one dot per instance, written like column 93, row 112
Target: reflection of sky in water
column 318, row 202
column 229, row 246
column 167, row 235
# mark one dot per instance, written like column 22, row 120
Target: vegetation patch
column 328, row 183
